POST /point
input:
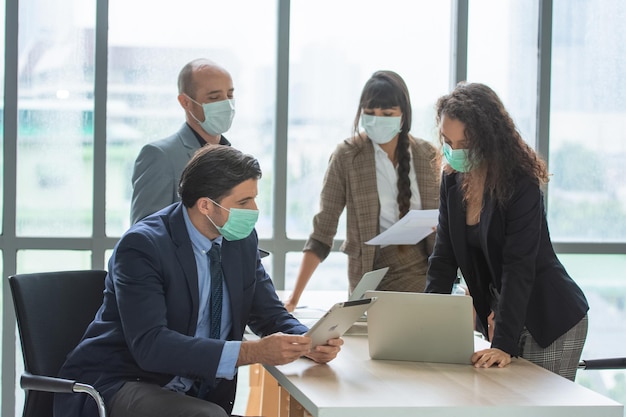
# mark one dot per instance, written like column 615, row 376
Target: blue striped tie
column 217, row 279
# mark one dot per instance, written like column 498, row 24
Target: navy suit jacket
column 516, row 257
column 145, row 328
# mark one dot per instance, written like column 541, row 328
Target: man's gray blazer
column 157, row 170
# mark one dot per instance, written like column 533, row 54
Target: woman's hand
column 487, row 357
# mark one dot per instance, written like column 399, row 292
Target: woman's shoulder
column 423, row 146
column 351, row 146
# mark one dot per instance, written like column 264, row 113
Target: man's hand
column 275, row 349
column 326, row 353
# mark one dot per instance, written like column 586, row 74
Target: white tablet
column 338, row 320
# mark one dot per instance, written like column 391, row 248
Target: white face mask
column 381, row 129
column 218, row 116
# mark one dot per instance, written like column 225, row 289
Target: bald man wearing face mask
column 205, row 92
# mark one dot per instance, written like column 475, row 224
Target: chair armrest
column 32, row 382
column 608, row 363
column 46, row 383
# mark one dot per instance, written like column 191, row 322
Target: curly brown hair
column 386, row 89
column 493, row 141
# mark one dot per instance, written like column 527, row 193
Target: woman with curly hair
column 492, row 225
column 378, row 175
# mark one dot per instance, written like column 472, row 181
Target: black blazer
column 516, row 258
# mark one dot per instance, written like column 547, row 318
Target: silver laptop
column 369, row 282
column 408, row 326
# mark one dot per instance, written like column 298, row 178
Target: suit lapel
column 186, row 259
column 364, row 190
column 188, row 139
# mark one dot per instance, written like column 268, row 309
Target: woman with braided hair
column 378, row 175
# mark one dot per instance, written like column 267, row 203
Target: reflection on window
column 329, row 67
column 587, row 195
column 142, row 91
column 55, row 125
column 502, row 53
column 602, row 280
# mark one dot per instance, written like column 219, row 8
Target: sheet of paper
column 415, row 226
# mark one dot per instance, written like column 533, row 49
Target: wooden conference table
column 355, row 385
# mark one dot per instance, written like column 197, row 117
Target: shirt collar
column 198, row 240
column 202, row 142
column 377, row 148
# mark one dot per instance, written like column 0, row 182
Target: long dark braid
column 403, row 156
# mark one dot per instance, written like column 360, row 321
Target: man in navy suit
column 206, row 94
column 149, row 351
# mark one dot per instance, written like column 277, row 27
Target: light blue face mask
column 239, row 225
column 381, row 129
column 218, row 116
column 457, row 158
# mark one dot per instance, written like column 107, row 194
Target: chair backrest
column 52, row 309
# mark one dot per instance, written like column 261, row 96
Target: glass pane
column 502, row 53
column 601, row 278
column 143, row 71
column 587, row 195
column 329, row 67
column 55, row 130
column 331, row 275
column 29, row 261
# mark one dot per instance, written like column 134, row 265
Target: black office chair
column 53, row 309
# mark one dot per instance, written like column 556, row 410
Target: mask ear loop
column 218, row 228
column 191, row 113
column 218, row 204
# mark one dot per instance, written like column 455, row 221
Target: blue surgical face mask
column 218, row 116
column 381, row 129
column 239, row 225
column 457, row 158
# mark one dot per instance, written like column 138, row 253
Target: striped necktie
column 217, row 280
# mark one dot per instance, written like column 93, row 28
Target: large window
column 88, row 83
column 144, row 63
column 55, row 128
column 587, row 197
column 502, row 53
column 327, row 71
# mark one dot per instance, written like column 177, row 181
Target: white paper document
column 415, row 226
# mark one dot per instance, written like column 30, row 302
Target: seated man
column 167, row 340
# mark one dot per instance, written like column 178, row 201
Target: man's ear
column 205, row 206
column 184, row 102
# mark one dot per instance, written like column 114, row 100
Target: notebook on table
column 420, row 327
